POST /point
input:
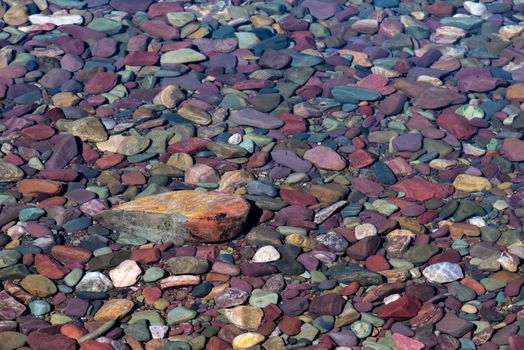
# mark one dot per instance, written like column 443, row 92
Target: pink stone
column 406, row 343
column 325, row 158
column 513, row 149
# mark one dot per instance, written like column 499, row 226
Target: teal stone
column 386, row 3
column 64, row 289
column 361, row 329
column 466, row 23
column 77, row 224
column 248, row 145
column 39, row 307
column 180, row 314
column 177, row 345
column 304, row 60
column 69, row 4
column 464, row 293
column 354, row 94
column 501, row 298
column 401, row 264
column 232, row 101
column 351, row 210
column 9, row 257
column 467, row 344
column 354, row 273
column 139, row 330
column 30, row 214
column 307, row 332
column 324, row 323
column 30, row 97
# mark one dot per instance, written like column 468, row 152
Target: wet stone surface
column 237, row 174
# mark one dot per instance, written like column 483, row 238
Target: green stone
column 105, row 25
column 464, row 293
column 182, row 56
column 73, row 277
column 261, row 298
column 307, row 332
column 384, row 207
column 492, row 284
column 180, row 19
column 139, row 330
column 420, row 254
column 180, row 314
column 12, row 340
column 354, row 273
column 152, row 316
column 361, row 329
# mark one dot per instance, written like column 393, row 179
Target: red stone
column 456, row 125
column 401, row 309
column 70, row 255
column 303, row 40
column 94, row 345
column 360, row 159
column 151, row 294
column 160, row 29
column 145, row 256
column 66, row 175
column 191, row 145
column 253, row 84
column 141, row 58
column 44, row 341
column 109, row 161
column 441, row 9
column 38, row 132
column 49, row 268
column 406, row 343
column 101, row 82
column 73, row 331
column 290, row 325
column 215, row 343
column 133, row 178
column 257, row 159
column 296, row 197
column 513, row 149
column 292, row 124
column 377, row 263
column 421, row 190
column 160, row 9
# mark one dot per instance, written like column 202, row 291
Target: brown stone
column 31, row 187
column 181, row 217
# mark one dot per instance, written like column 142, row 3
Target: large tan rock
column 180, row 217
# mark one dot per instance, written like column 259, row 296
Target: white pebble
column 475, row 8
column 365, row 230
column 235, row 139
column 266, row 253
column 391, row 298
column 477, row 221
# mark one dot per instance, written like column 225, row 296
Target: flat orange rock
column 180, row 217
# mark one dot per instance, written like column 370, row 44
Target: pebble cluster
column 378, row 143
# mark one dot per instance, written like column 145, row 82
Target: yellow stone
column 161, row 304
column 65, row 99
column 471, row 183
column 39, row 286
column 299, row 240
column 181, row 216
column 114, row 309
column 16, row 15
column 261, row 21
column 245, row 317
column 87, row 129
column 505, row 276
column 469, row 309
column 247, row 340
column 515, row 92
